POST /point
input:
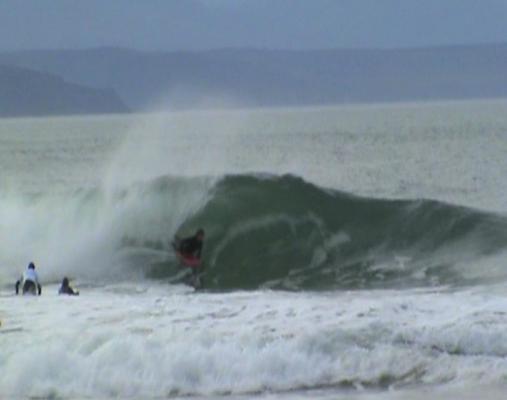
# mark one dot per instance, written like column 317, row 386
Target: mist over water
column 370, row 241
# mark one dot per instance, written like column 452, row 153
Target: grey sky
column 288, row 24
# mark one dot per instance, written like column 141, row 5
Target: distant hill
column 276, row 77
column 25, row 92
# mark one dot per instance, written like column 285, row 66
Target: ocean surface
column 352, row 252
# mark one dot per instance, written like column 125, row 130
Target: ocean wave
column 284, row 232
column 262, row 231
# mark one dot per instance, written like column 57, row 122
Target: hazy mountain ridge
column 248, row 77
column 25, row 92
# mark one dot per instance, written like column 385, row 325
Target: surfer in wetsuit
column 66, row 288
column 191, row 246
column 189, row 249
column 30, row 281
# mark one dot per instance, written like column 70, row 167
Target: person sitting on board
column 67, row 289
column 30, row 281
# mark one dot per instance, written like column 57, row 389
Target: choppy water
column 351, row 252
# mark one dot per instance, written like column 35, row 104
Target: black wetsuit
column 67, row 290
column 191, row 246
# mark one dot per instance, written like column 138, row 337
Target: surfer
column 66, row 288
column 30, row 281
column 189, row 251
column 190, row 247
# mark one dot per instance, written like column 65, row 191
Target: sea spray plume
column 82, row 234
column 179, row 143
column 164, row 149
column 78, row 231
column 170, row 145
column 162, row 170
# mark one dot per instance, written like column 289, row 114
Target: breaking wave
column 261, row 232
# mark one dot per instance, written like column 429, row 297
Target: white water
column 145, row 339
column 153, row 341
column 80, row 233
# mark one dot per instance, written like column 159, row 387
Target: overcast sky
column 287, row 24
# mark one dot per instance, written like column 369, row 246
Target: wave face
column 276, row 232
column 283, row 232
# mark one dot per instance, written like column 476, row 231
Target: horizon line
column 254, row 48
